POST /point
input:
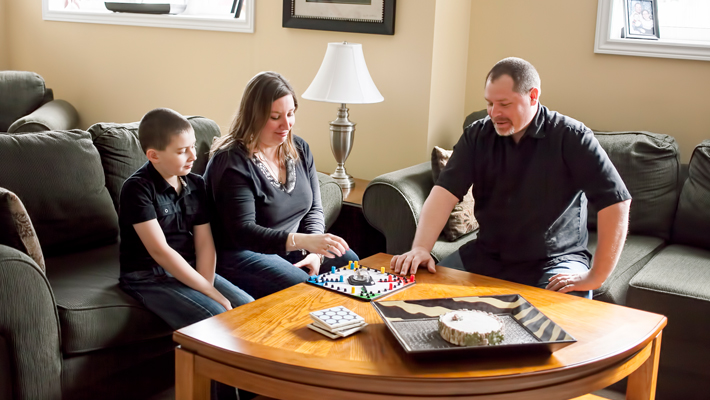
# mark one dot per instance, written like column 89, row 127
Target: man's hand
column 573, row 282
column 409, row 262
column 312, row 262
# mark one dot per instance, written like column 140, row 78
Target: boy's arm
column 205, row 251
column 154, row 241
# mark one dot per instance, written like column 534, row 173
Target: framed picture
column 641, row 19
column 361, row 16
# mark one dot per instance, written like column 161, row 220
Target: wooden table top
column 270, row 337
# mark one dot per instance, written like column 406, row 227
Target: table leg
column 188, row 384
column 642, row 382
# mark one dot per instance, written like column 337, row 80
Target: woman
column 261, row 180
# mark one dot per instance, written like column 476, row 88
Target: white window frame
column 210, row 23
column 604, row 44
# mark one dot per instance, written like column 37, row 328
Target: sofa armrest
column 392, row 203
column 55, row 115
column 331, row 198
column 29, row 325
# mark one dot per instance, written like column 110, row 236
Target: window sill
column 604, row 44
column 244, row 24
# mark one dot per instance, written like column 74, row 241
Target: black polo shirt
column 531, row 197
column 146, row 195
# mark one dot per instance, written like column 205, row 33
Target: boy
column 167, row 253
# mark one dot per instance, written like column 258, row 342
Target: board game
column 361, row 282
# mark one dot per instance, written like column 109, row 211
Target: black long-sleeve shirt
column 250, row 213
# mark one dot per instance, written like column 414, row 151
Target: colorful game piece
column 373, row 283
column 332, row 270
column 357, row 265
column 382, row 270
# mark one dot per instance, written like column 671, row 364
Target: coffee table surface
column 266, row 347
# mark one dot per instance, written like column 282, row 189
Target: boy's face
column 178, row 156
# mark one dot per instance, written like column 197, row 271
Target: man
column 532, row 171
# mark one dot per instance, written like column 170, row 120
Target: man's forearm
column 612, row 226
column 435, row 213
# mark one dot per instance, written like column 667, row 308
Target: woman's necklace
column 268, row 165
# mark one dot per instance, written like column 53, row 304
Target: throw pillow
column 16, row 229
column 461, row 221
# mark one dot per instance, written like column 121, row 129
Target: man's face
column 510, row 111
column 638, row 7
column 178, row 156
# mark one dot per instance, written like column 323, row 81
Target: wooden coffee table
column 265, row 347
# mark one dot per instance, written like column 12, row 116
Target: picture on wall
column 641, row 19
column 361, row 16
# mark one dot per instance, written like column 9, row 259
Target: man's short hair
column 525, row 76
column 158, row 126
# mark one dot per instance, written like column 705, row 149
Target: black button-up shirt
column 531, row 196
column 146, row 195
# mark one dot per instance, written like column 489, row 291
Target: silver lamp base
column 342, row 136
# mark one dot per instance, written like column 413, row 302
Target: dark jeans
column 263, row 274
column 176, row 303
column 454, row 261
column 179, row 305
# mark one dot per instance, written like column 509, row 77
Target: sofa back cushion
column 58, row 177
column 121, row 153
column 21, row 92
column 692, row 221
column 649, row 164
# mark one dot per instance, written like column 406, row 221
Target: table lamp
column 343, row 78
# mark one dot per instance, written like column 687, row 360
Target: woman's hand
column 312, row 262
column 326, row 244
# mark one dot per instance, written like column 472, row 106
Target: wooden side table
column 352, row 226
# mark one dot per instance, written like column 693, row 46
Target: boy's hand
column 222, row 301
column 312, row 262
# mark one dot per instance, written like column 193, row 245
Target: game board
column 361, row 282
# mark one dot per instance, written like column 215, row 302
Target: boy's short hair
column 157, row 127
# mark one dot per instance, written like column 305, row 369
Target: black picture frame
column 641, row 19
column 386, row 27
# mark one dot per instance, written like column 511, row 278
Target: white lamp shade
column 343, row 77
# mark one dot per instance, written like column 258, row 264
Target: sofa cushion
column 676, row 283
column 461, row 220
column 94, row 313
column 692, row 220
column 16, row 228
column 59, row 178
column 121, row 153
column 649, row 164
column 21, row 92
column 638, row 250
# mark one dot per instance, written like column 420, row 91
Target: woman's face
column 646, row 15
column 279, row 123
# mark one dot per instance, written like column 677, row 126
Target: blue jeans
column 263, row 274
column 454, row 261
column 180, row 305
column 176, row 303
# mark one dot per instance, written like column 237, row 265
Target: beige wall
column 606, row 92
column 117, row 73
column 449, row 70
column 4, row 61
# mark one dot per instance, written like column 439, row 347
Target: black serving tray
column 415, row 324
column 141, row 8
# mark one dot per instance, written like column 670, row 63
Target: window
column 218, row 15
column 684, row 27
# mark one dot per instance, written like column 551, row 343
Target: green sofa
column 26, row 105
column 665, row 264
column 69, row 332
